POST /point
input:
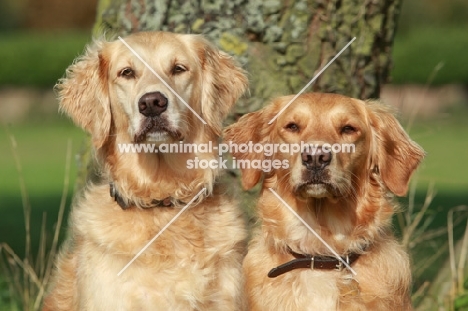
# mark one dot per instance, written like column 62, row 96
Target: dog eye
column 178, row 69
column 348, row 129
column 127, row 73
column 293, row 127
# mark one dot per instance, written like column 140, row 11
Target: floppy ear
column 251, row 127
column 224, row 82
column 83, row 94
column 394, row 154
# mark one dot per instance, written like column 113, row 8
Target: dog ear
column 83, row 93
column 251, row 127
column 223, row 83
column 394, row 155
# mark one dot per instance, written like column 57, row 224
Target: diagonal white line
column 160, row 232
column 313, row 231
column 160, row 78
column 313, row 79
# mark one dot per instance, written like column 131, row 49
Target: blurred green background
column 39, row 39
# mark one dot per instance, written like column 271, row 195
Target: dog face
column 343, row 142
column 153, row 97
column 320, row 168
column 153, row 89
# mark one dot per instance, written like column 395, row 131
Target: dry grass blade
column 28, row 277
column 418, row 105
column 24, row 264
column 429, row 236
column 462, row 261
column 26, row 212
column 420, row 268
column 457, row 273
column 53, row 250
column 421, row 291
column 411, row 225
column 41, row 253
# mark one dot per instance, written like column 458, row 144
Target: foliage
column 417, row 54
column 38, row 58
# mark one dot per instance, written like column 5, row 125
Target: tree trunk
column 281, row 44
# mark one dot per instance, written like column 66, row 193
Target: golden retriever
column 196, row 264
column 346, row 198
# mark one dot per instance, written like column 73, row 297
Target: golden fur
column 351, row 208
column 196, row 263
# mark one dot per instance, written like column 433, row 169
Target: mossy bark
column 281, row 44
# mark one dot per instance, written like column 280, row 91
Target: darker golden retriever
column 345, row 197
column 196, row 263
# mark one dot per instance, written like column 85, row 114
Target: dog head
column 151, row 86
column 341, row 145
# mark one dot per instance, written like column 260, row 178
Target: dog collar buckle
column 339, row 266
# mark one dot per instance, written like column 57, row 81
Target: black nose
column 316, row 158
column 152, row 104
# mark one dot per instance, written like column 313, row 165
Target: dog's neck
column 347, row 225
column 126, row 203
column 149, row 179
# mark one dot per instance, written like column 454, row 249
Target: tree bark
column 281, row 44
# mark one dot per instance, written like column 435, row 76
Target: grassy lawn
column 419, row 52
column 445, row 139
column 42, row 149
column 21, row 50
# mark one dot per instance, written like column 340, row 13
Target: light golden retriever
column 196, row 264
column 347, row 198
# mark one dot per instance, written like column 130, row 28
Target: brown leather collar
column 312, row 262
column 167, row 202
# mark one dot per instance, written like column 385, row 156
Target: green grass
column 444, row 138
column 42, row 151
column 418, row 52
column 445, row 141
column 38, row 58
